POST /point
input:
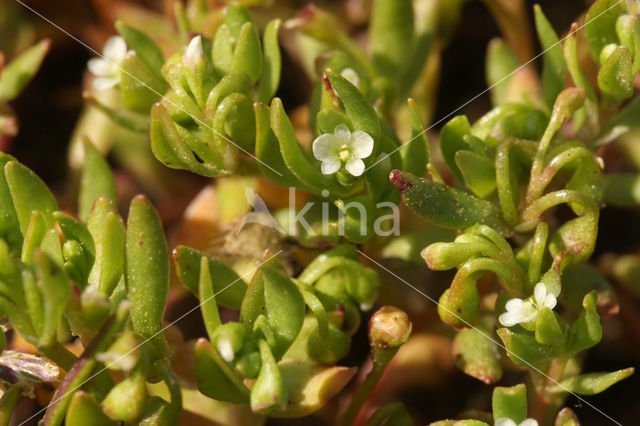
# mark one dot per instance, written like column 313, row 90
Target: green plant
column 277, row 322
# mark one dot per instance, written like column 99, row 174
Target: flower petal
column 115, row 49
column 105, row 83
column 509, row 319
column 99, row 67
column 514, row 304
column 324, row 147
column 342, row 134
column 355, row 166
column 550, row 301
column 529, row 422
column 504, row 421
column 361, row 145
column 330, row 166
column 540, row 293
column 194, row 49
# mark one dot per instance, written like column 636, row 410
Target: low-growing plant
column 510, row 201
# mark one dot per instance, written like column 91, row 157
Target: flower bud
column 124, row 353
column 389, row 327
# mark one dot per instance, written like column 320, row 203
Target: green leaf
column 208, row 305
column 600, row 25
column 522, row 348
column 215, row 378
column 593, row 383
column 272, row 63
column 235, row 17
column 108, row 232
column 170, row 148
column 501, row 63
column 554, row 70
column 452, row 141
column 269, row 390
column 477, row 356
column 391, row 33
column 615, row 78
column 274, row 295
column 140, row 88
column 135, row 122
column 586, row 331
column 34, row 235
column 56, row 292
column 510, row 403
column 146, row 49
column 187, row 261
column 21, row 70
column 9, row 225
column 75, row 231
column 247, row 57
column 28, row 193
column 415, row 152
column 551, row 330
column 356, row 106
column 146, row 269
column 444, row 206
column 96, row 181
column 126, row 401
column 222, row 50
column 85, row 411
column 478, row 172
column 268, row 150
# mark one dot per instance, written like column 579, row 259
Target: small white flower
column 351, row 75
column 342, row 147
column 522, row 311
column 194, row 52
column 504, row 421
column 107, row 68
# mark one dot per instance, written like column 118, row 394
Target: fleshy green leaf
column 215, row 378
column 269, row 390
column 523, row 349
column 187, row 262
column 478, row 172
column 96, row 181
column 390, row 33
column 615, row 78
column 550, row 330
column 275, row 296
column 452, row 141
column 21, row 70
column 85, row 411
column 140, row 88
column 510, row 403
column 108, row 232
column 56, row 292
column 125, row 402
column 554, row 70
column 146, row 49
column 477, row 356
column 247, row 57
column 445, row 206
column 586, row 331
column 600, row 25
column 501, row 62
column 208, row 305
column 28, row 193
column 593, row 383
column 272, row 62
column 146, row 269
column 9, row 225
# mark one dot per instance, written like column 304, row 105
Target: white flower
column 193, row 52
column 351, row 75
column 225, row 348
column 342, row 146
column 521, row 311
column 107, row 68
column 503, row 421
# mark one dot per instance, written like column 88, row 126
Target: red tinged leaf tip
column 401, row 180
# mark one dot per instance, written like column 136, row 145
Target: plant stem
column 544, row 398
